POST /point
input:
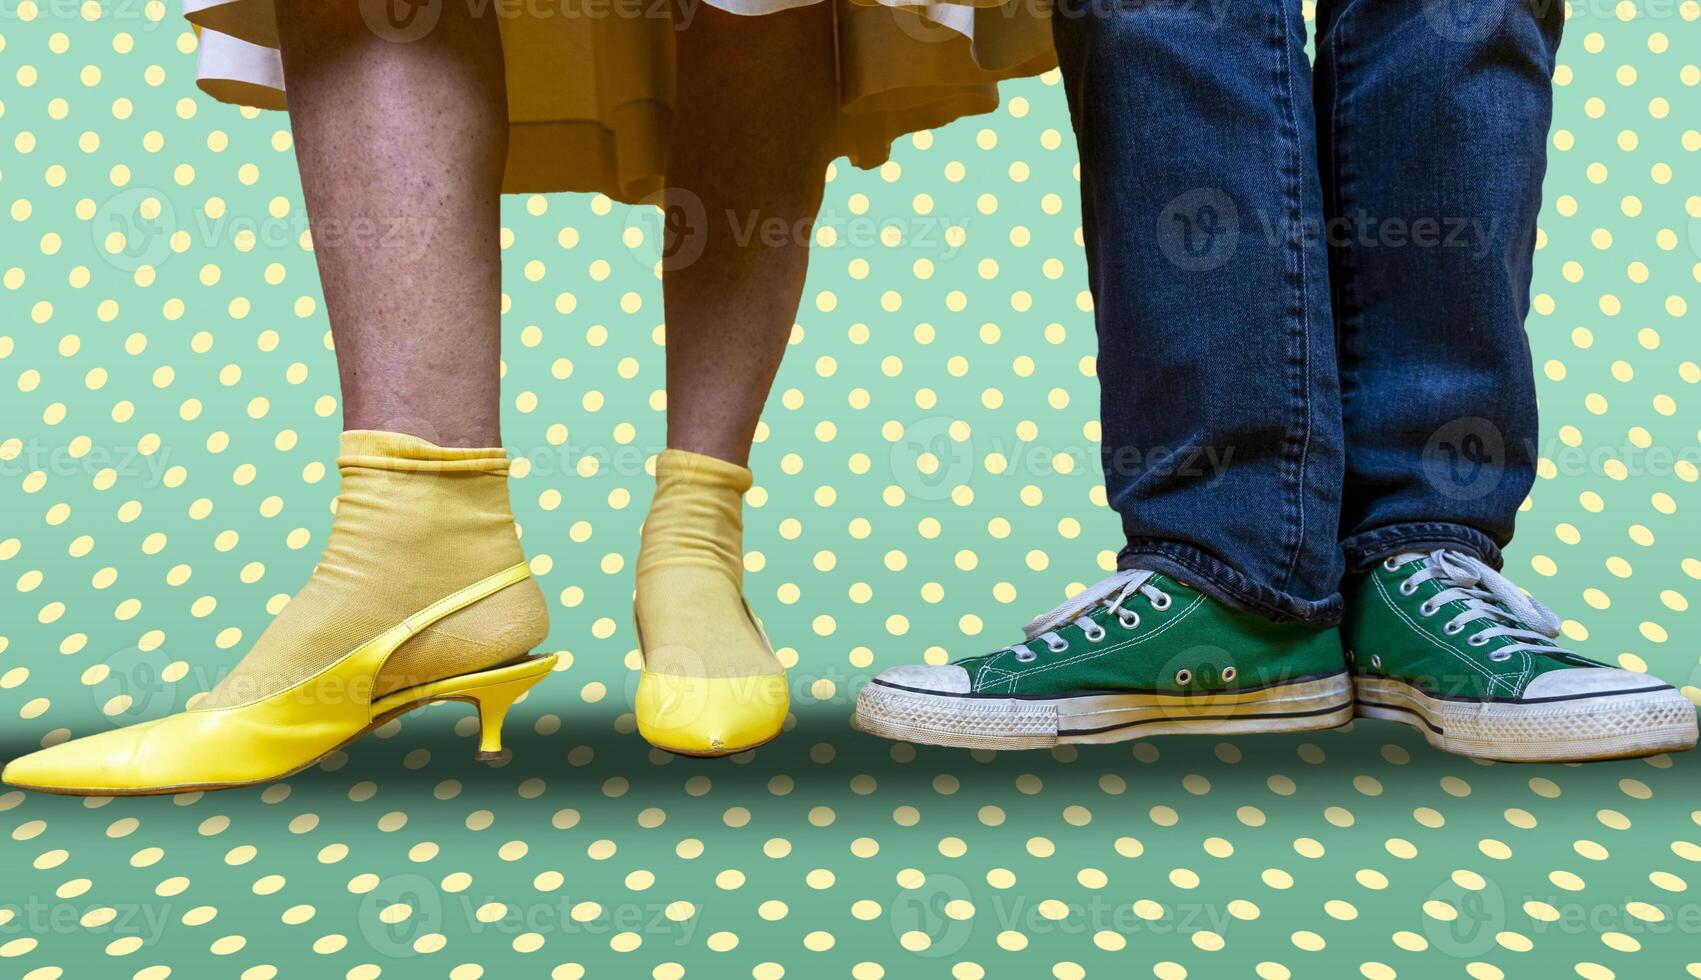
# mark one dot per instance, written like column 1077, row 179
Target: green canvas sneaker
column 1137, row 654
column 1446, row 644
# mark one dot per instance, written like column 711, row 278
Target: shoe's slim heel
column 492, row 691
column 493, row 704
column 494, row 695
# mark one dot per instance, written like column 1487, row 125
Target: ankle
column 697, row 515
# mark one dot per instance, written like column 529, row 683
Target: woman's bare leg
column 756, row 104
column 401, row 148
column 753, row 121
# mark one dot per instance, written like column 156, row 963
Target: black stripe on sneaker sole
column 1251, row 715
column 1196, row 693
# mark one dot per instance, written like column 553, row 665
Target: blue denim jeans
column 1310, row 283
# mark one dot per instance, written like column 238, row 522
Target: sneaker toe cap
column 1593, row 682
column 945, row 679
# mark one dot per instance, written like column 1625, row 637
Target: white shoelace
column 1487, row 594
column 1112, row 593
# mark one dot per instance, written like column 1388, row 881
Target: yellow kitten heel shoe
column 711, row 684
column 285, row 732
column 422, row 594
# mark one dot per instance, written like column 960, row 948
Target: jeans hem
column 1222, row 582
column 1366, row 548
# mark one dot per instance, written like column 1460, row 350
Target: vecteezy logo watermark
column 1469, row 919
column 133, row 686
column 1465, row 459
column 401, row 21
column 1190, row 462
column 673, row 228
column 1199, row 231
column 1202, row 229
column 928, row 463
column 407, row 915
column 133, row 228
column 1210, row 13
column 135, row 15
column 927, row 912
column 140, row 227
column 31, row 916
column 919, row 23
column 122, row 462
column 667, row 228
column 930, row 459
column 1363, row 230
column 401, row 910
column 1466, row 20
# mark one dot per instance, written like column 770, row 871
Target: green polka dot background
column 927, row 479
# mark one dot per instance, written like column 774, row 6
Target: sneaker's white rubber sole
column 1579, row 729
column 993, row 722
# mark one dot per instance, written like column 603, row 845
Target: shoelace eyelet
column 1408, row 587
column 1376, row 661
column 1428, row 610
column 1094, row 637
column 1229, row 674
column 1499, row 657
column 1477, row 640
column 1183, row 677
column 1453, row 629
column 1059, row 648
column 1026, row 657
column 1129, row 620
column 1162, row 602
column 1390, row 564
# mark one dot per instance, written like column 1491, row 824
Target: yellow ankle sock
column 415, row 522
column 690, row 571
column 712, row 683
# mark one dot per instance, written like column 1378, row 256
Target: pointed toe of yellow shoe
column 103, row 763
column 166, row 755
column 710, row 716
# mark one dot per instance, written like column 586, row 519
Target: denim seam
column 1346, row 309
column 1398, row 545
column 1086, row 143
column 1368, row 545
column 1188, row 561
column 1299, row 416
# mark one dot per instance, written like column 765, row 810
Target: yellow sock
column 415, row 522
column 712, row 683
column 690, row 571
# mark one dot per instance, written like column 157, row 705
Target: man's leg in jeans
column 1432, row 138
column 1433, row 121
column 1222, row 437
column 1201, row 212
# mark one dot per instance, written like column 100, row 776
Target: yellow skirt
column 590, row 86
